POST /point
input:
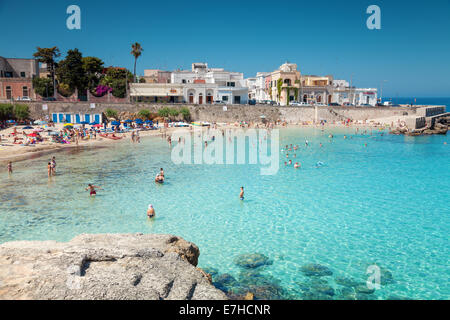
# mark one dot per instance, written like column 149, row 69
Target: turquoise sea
column 384, row 203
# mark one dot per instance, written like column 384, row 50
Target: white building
column 342, row 93
column 205, row 85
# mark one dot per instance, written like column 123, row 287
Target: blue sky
column 411, row 51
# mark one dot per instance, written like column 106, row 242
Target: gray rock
column 252, row 260
column 104, row 267
column 315, row 270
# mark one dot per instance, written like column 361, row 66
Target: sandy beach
column 18, row 152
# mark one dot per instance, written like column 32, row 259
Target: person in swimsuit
column 159, row 178
column 296, row 165
column 161, row 172
column 10, row 170
column 91, row 188
column 53, row 164
column 150, row 211
column 49, row 169
column 241, row 195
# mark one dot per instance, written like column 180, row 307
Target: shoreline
column 18, row 153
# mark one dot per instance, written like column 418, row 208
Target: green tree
column 21, row 112
column 43, row 86
column 279, row 85
column 136, row 51
column 164, row 112
column 174, row 112
column 6, row 111
column 70, row 70
column 48, row 56
column 144, row 114
column 186, row 113
column 111, row 113
column 117, row 79
column 93, row 68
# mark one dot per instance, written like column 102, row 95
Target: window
column 22, row 74
column 230, row 84
column 8, row 74
column 25, row 91
column 8, row 92
column 183, row 81
column 224, row 98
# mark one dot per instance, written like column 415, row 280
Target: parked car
column 49, row 99
column 320, row 105
column 219, row 102
column 294, row 103
column 252, row 102
column 334, row 104
column 24, row 98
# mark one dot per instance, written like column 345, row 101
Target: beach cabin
column 76, row 118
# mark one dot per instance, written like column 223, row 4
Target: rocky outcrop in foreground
column 104, row 266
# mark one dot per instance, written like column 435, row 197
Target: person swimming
column 296, row 165
column 241, row 194
column 91, row 188
column 319, row 164
column 151, row 211
column 159, row 178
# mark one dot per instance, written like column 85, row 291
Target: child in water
column 241, row 195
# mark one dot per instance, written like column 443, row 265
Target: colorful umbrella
column 32, row 135
column 68, row 125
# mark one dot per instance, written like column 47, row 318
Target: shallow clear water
column 385, row 203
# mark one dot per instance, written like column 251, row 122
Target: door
column 61, row 117
column 200, row 99
column 237, row 100
column 8, row 93
column 77, row 118
column 87, row 118
column 55, row 117
column 97, row 118
column 191, row 98
column 68, row 118
column 209, row 98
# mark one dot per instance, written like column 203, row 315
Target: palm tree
column 136, row 51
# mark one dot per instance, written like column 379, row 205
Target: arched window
column 8, row 92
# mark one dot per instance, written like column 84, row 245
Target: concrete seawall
column 234, row 112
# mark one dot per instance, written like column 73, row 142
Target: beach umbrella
column 84, row 122
column 27, row 128
column 148, row 121
column 128, row 121
column 115, row 123
column 68, row 125
column 32, row 134
column 97, row 125
column 93, row 123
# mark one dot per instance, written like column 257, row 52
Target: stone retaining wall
column 233, row 112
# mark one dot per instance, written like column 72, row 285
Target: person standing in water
column 241, row 194
column 161, row 172
column 151, row 211
column 92, row 190
column 10, row 170
column 53, row 164
column 49, row 169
